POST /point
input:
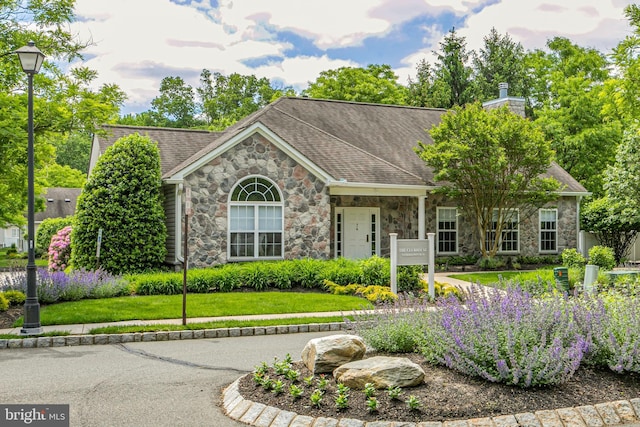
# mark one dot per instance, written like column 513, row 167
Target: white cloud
column 532, row 23
column 138, row 42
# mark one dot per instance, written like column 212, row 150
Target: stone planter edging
column 101, row 339
column 615, row 413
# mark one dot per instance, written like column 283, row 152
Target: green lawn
column 8, row 262
column 198, row 305
column 488, row 278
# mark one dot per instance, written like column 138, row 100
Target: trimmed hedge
column 288, row 274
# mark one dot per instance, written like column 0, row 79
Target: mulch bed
column 447, row 395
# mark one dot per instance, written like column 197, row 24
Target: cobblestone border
column 101, row 339
column 600, row 415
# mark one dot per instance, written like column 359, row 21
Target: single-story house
column 321, row 179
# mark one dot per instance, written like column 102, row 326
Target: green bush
column 603, row 257
column 157, row 283
column 15, row 297
column 122, row 198
column 4, row 302
column 491, row 263
column 376, row 271
column 309, row 273
column 263, row 275
column 571, row 258
column 538, row 260
column 409, row 278
column 47, row 229
column 343, row 271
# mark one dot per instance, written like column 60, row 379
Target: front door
column 360, row 238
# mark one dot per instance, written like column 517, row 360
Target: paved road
column 169, row 383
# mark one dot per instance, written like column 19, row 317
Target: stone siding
column 306, row 202
column 529, row 228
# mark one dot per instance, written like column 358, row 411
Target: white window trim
column 438, row 209
column 256, row 230
column 555, row 251
column 510, row 252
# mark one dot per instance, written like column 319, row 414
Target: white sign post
column 412, row 252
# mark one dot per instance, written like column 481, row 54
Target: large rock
column 381, row 371
column 325, row 354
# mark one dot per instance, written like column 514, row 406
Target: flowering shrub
column 396, row 326
column 618, row 342
column 501, row 336
column 60, row 249
column 57, row 286
column 509, row 337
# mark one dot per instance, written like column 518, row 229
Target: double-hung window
column 447, row 230
column 255, row 220
column 509, row 236
column 548, row 230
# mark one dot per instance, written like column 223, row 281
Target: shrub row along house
column 321, row 179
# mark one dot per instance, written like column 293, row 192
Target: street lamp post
column 31, row 59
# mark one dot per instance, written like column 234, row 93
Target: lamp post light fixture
column 31, row 60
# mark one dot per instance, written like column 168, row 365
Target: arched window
column 255, row 220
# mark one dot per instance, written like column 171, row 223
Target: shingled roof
column 354, row 142
column 176, row 145
column 59, row 203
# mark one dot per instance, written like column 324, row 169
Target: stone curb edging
column 101, row 339
column 600, row 415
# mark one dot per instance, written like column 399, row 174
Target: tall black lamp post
column 31, row 59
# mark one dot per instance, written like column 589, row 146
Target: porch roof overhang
column 344, row 188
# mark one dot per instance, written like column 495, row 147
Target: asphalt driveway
column 169, row 383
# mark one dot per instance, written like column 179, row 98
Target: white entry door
column 360, row 238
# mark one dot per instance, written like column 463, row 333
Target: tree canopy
column 376, row 84
column 490, row 161
column 64, row 105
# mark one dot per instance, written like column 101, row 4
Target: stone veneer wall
column 306, row 202
column 397, row 215
column 529, row 228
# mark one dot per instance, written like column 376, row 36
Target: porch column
column 421, row 225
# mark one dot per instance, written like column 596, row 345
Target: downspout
column 421, row 215
column 178, row 221
column 579, row 240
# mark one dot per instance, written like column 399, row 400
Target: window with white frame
column 548, row 230
column 509, row 237
column 255, row 220
column 447, row 230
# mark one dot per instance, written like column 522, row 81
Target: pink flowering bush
column 60, row 250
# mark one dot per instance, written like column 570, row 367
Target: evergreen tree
column 123, row 199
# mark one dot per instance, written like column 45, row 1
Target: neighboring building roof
column 59, row 203
column 175, row 145
column 353, row 142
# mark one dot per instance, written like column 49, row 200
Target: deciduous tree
column 605, row 219
column 376, row 84
column 490, row 161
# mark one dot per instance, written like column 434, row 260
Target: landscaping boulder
column 380, row 371
column 325, row 354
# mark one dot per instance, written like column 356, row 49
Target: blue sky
column 138, row 42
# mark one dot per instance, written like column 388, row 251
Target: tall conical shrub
column 123, row 198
